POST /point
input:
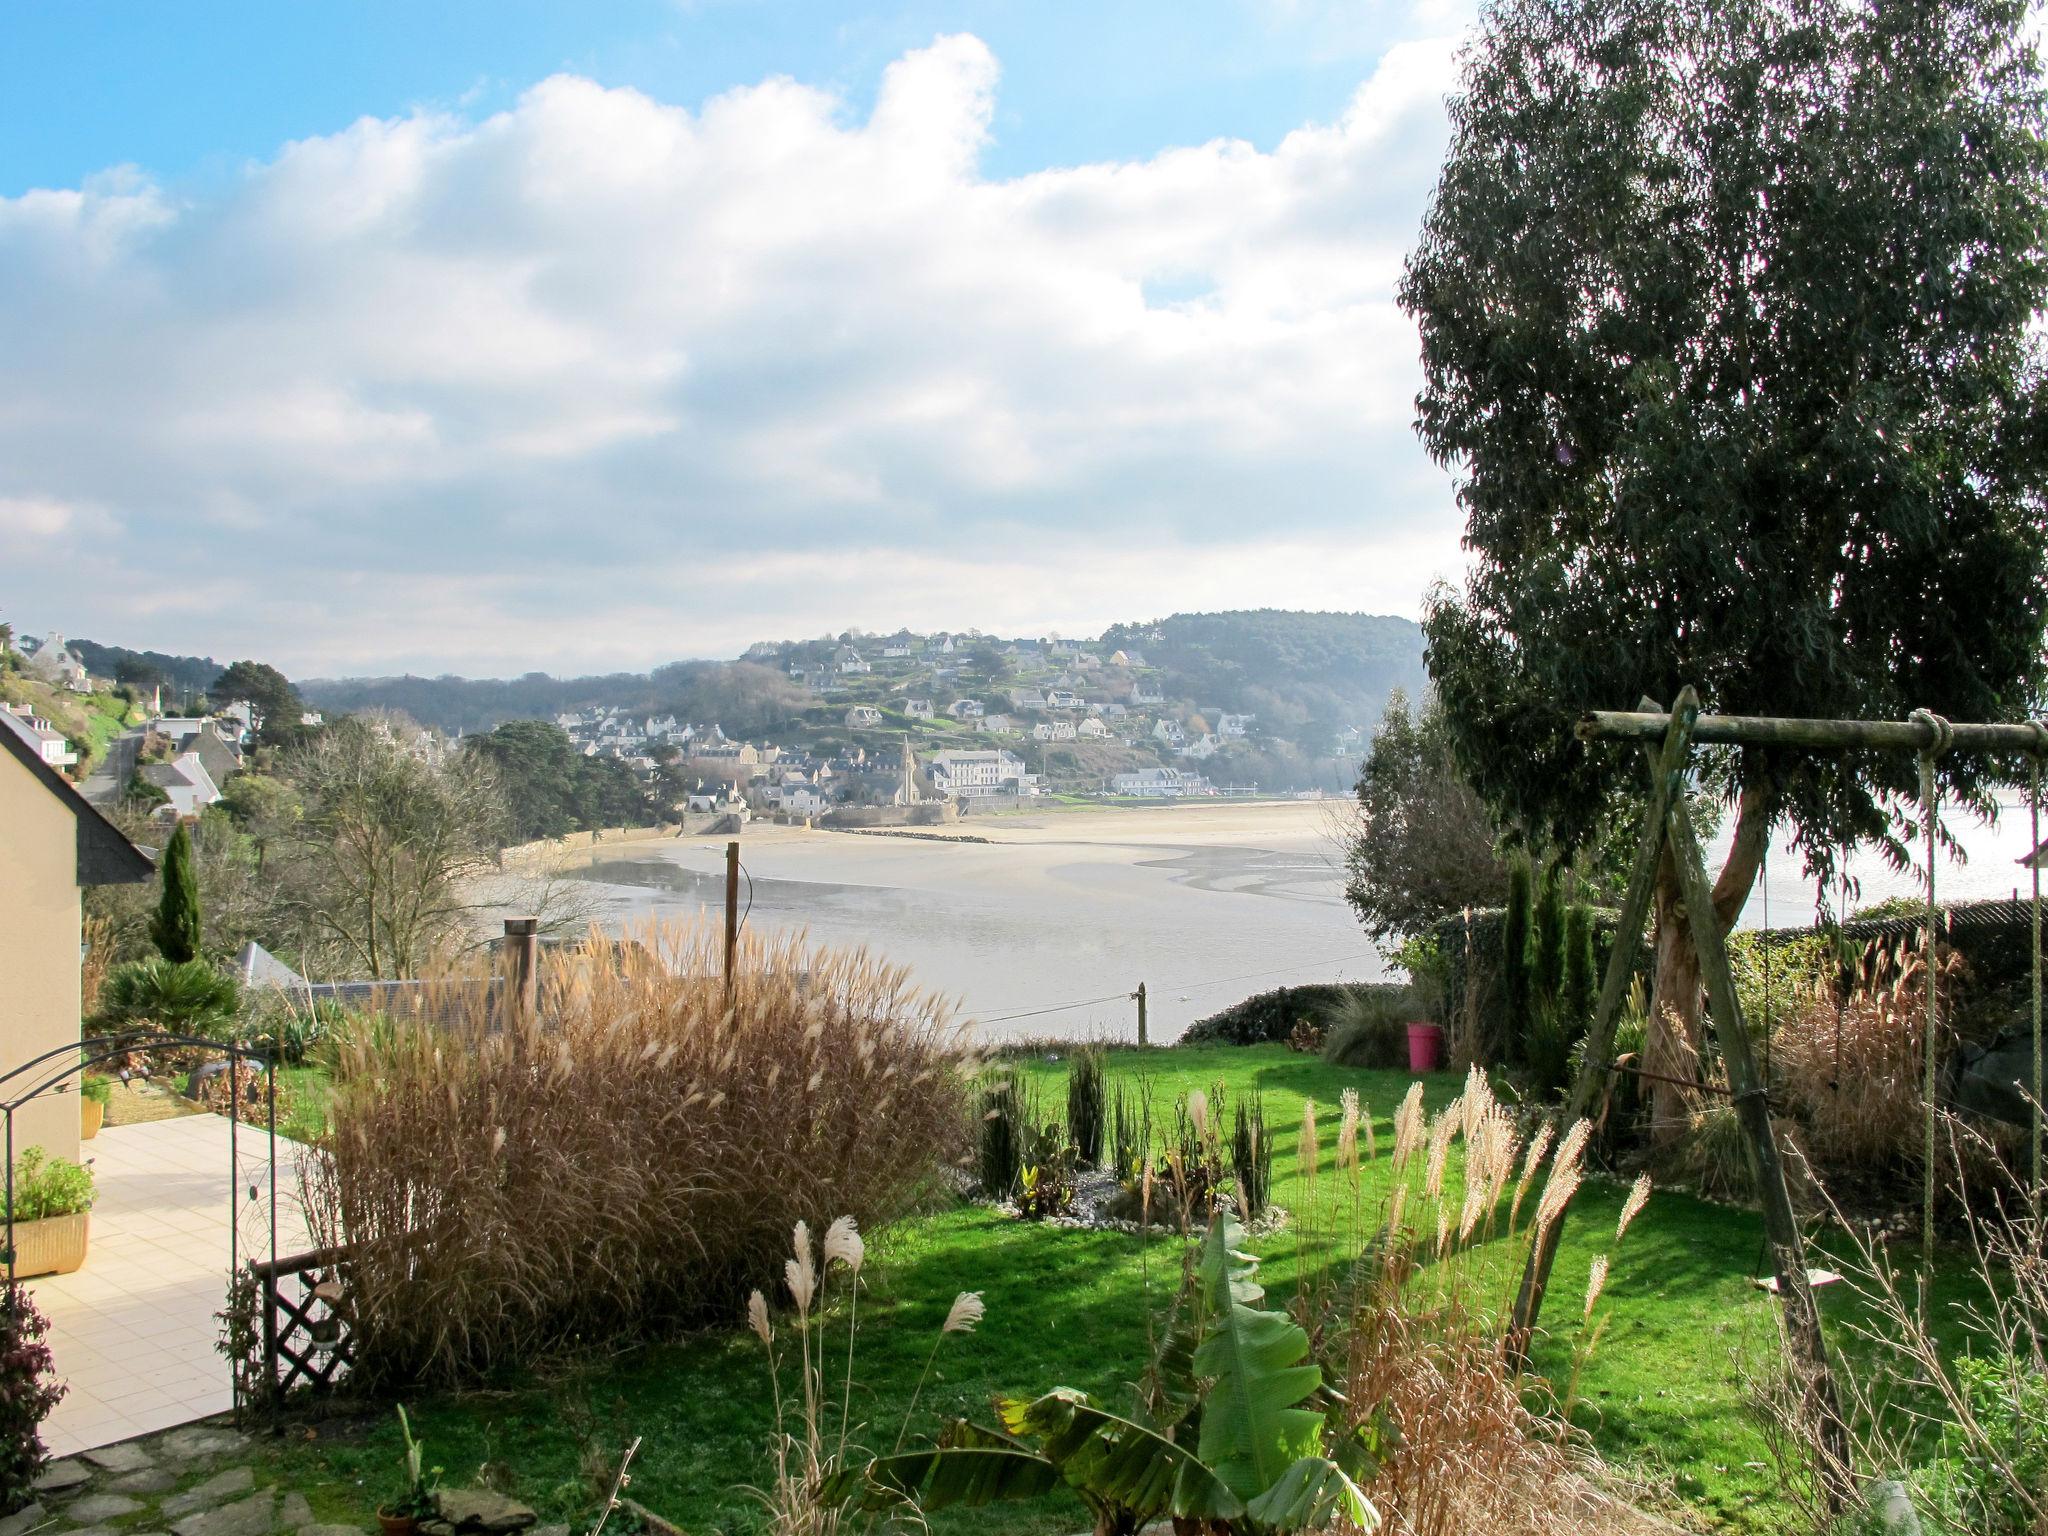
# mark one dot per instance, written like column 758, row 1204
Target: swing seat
column 1816, row 1278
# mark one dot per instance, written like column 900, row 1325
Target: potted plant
column 415, row 1501
column 94, row 1093
column 52, row 1199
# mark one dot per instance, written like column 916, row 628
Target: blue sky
column 489, row 337
column 189, row 91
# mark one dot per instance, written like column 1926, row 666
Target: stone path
column 207, row 1479
column 196, row 1480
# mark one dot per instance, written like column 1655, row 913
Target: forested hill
column 1292, row 670
column 1284, row 666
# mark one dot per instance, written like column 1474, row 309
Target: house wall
column 39, row 938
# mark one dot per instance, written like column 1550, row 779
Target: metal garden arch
column 77, row 1058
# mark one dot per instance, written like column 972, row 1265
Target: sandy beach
column 1203, row 902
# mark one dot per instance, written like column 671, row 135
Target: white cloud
column 599, row 381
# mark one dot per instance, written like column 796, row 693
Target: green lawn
column 1662, row 1395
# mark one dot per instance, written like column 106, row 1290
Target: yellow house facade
column 52, row 844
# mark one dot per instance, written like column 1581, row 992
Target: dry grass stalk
column 1852, row 1072
column 1472, row 1453
column 631, row 1158
column 1308, row 1151
column 1347, row 1135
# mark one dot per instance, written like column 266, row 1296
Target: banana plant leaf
column 1117, row 1461
column 967, row 1475
column 1310, row 1495
column 1253, row 1429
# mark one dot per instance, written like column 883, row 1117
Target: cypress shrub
column 1517, row 987
column 1546, row 943
column 174, row 930
column 1581, row 988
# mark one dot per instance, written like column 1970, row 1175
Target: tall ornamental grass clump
column 630, row 1158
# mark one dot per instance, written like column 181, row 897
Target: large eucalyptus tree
column 1730, row 327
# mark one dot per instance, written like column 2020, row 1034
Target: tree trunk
column 1675, row 1037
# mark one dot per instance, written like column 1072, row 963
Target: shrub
column 632, row 1156
column 96, row 1088
column 174, row 929
column 1977, row 1478
column 1251, row 1157
column 1268, row 1018
column 46, row 1186
column 188, row 998
column 1367, row 1026
column 1005, row 1111
column 1852, row 1071
column 289, row 1031
column 28, row 1391
column 1087, row 1108
column 1517, row 984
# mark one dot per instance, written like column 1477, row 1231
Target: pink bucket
column 1425, row 1048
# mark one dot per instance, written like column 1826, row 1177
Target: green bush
column 46, row 1186
column 1268, row 1018
column 1367, row 1026
column 188, row 998
column 1974, row 1486
column 97, row 1088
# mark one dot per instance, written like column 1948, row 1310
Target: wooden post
column 1751, row 1098
column 732, row 911
column 1667, row 774
column 522, row 950
column 1140, row 994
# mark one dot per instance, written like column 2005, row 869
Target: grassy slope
column 1663, row 1393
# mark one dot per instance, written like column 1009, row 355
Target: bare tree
column 383, row 867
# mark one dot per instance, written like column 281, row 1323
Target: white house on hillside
column 50, row 743
column 918, row 709
column 863, row 717
column 974, row 775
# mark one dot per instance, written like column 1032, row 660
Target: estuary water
column 1205, row 904
column 1048, row 927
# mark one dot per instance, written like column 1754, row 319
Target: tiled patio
column 133, row 1332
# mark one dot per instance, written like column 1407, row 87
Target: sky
column 488, row 338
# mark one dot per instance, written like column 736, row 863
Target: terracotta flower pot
column 53, row 1246
column 91, row 1112
column 396, row 1525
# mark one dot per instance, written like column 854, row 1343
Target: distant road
column 104, row 784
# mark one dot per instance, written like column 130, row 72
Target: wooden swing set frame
column 1668, row 739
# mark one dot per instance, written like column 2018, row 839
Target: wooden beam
column 1824, row 735
column 1667, row 774
column 1752, row 1107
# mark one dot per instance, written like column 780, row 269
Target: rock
column 22, row 1520
column 433, row 1528
column 98, row 1508
column 294, row 1511
column 1891, row 1508
column 209, row 1493
column 649, row 1520
column 330, row 1530
column 59, row 1476
column 253, row 1516
column 479, row 1509
column 551, row 1530
column 125, row 1457
column 195, row 1441
column 148, row 1480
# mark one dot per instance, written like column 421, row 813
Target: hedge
column 1271, row 1016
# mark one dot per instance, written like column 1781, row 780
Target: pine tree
column 175, row 928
